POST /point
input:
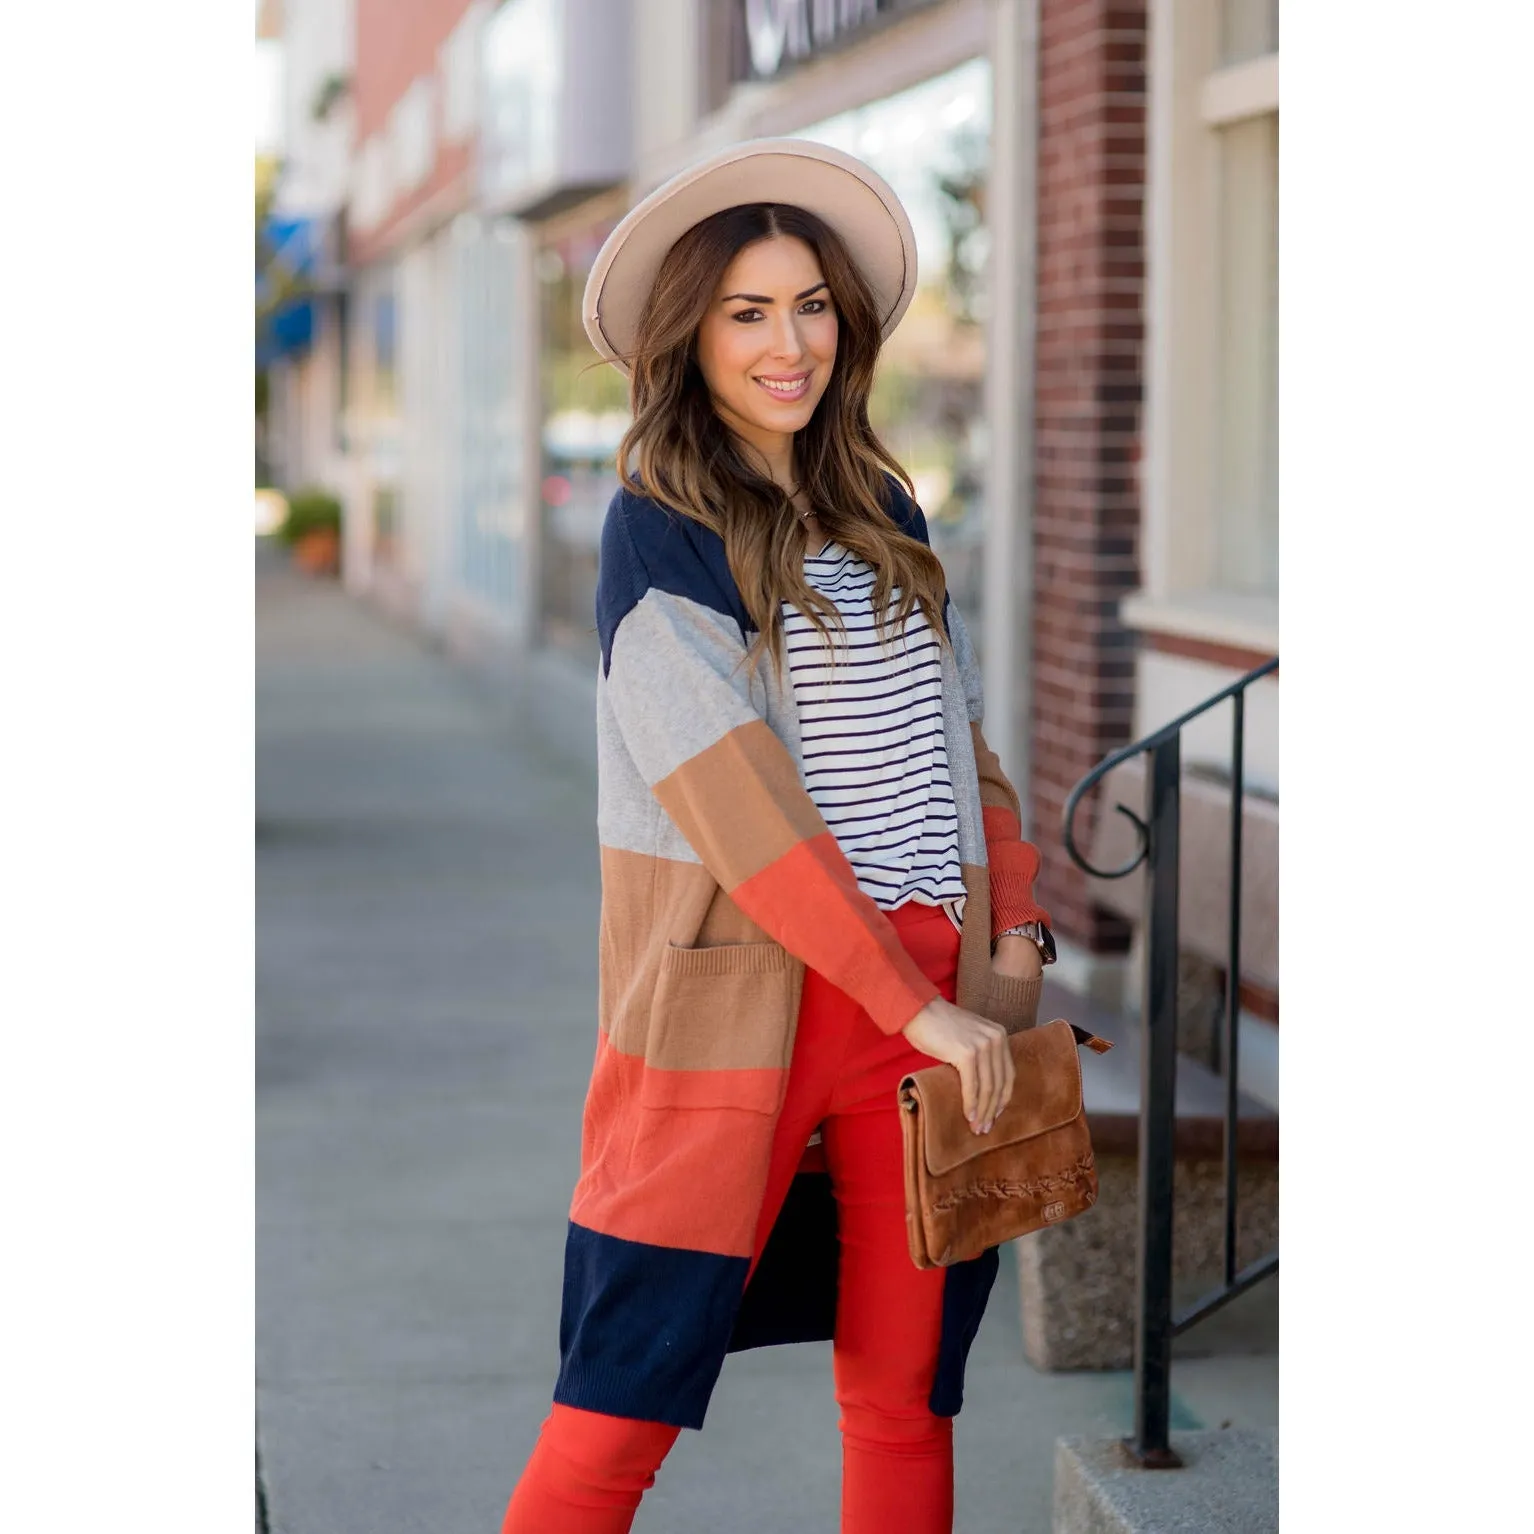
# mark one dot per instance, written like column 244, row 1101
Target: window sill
column 1242, row 622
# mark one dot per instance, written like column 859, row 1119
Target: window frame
column 1192, row 98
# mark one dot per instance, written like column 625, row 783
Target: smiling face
column 767, row 344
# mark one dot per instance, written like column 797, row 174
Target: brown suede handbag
column 966, row 1192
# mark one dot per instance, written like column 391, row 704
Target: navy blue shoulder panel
column 905, row 512
column 909, row 516
column 645, row 545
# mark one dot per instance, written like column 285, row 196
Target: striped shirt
column 871, row 726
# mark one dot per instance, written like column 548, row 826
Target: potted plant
column 313, row 531
column 328, row 93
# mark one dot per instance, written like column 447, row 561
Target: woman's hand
column 976, row 1047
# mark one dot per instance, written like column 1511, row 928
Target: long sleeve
column 677, row 690
column 1014, row 863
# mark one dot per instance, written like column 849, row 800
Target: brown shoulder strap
column 1096, row 1045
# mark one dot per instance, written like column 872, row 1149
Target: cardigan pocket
column 1014, row 1003
column 721, row 1028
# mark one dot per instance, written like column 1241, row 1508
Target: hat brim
column 842, row 191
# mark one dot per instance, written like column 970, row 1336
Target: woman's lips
column 779, row 391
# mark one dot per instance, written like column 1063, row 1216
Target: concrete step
column 1228, row 1484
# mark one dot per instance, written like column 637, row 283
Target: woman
column 813, row 880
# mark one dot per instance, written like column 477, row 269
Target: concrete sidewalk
column 426, row 906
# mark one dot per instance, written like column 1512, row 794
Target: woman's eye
column 810, row 306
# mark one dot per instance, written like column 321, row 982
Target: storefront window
column 494, row 397
column 385, row 354
column 585, row 413
column 931, row 144
column 372, row 410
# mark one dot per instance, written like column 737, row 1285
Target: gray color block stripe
column 675, row 687
column 629, row 816
column 968, row 665
column 676, row 682
column 961, row 764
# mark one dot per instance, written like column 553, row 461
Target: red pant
column 588, row 1471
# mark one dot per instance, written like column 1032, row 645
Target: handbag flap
column 1047, row 1094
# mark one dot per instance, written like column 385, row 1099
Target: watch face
column 1047, row 943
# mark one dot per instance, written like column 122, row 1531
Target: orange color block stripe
column 1002, row 825
column 634, row 1160
column 1014, row 866
column 810, row 901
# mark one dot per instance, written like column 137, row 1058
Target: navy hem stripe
column 643, row 1329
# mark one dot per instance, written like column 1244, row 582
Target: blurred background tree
column 961, row 189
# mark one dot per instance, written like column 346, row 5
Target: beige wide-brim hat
column 853, row 199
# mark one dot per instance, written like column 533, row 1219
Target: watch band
column 1036, row 932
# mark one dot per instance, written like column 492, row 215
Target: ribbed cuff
column 1013, row 866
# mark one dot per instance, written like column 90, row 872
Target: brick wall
column 1088, row 383
column 397, row 40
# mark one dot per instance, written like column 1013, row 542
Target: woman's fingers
column 999, row 1059
column 977, row 1048
column 986, row 1069
column 969, row 1082
column 997, row 1046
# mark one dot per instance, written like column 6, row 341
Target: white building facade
column 306, row 444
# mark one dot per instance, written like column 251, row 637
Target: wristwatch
column 1035, row 932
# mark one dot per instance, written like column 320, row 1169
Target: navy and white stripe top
column 871, row 723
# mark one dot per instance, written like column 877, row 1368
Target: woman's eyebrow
column 761, row 298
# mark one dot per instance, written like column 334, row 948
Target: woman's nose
column 788, row 344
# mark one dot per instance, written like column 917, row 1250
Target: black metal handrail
column 1159, row 833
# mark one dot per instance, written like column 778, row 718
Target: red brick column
column 397, row 41
column 1087, row 415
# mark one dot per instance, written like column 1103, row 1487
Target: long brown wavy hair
column 680, row 453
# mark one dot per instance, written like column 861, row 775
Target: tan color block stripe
column 759, row 1090
column 647, row 902
column 688, row 982
column 1012, row 1003
column 724, row 1009
column 740, row 803
column 974, row 981
column 995, row 789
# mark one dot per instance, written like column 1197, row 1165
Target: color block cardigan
column 720, row 883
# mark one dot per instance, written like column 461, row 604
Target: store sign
column 786, row 32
